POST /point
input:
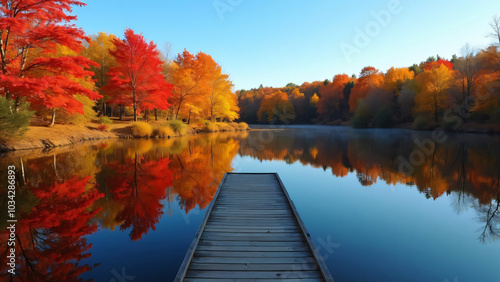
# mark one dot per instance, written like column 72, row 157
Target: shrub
column 163, row 131
column 103, row 127
column 420, row 122
column 243, row 126
column 234, row 125
column 448, row 125
column 480, row 117
column 208, row 126
column 383, row 118
column 362, row 116
column 105, row 120
column 177, row 126
column 495, row 115
column 224, row 126
column 13, row 124
column 141, row 129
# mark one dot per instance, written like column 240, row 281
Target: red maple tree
column 31, row 30
column 430, row 65
column 137, row 80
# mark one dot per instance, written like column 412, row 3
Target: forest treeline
column 53, row 71
column 435, row 92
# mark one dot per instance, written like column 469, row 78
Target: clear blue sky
column 276, row 42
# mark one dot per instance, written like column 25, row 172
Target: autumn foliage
column 276, row 107
column 435, row 93
column 332, row 95
column 31, row 33
column 201, row 89
column 54, row 66
column 137, row 80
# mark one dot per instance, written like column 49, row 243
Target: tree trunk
column 189, row 116
column 135, row 104
column 436, row 112
column 53, row 117
column 178, row 109
column 16, row 104
column 156, row 114
column 121, row 112
column 22, row 170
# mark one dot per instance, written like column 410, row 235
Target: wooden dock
column 252, row 231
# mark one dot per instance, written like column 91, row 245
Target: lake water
column 381, row 205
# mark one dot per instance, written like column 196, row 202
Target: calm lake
column 128, row 209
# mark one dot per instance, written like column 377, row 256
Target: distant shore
column 469, row 127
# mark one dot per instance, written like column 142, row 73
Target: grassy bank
column 42, row 136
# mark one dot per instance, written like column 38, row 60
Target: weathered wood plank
column 296, row 234
column 268, row 238
column 232, row 229
column 302, row 248
column 252, row 266
column 225, row 224
column 250, row 244
column 253, row 260
column 235, row 254
column 252, row 274
column 253, row 279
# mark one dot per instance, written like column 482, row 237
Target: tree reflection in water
column 67, row 194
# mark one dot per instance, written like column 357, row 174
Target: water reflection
column 68, row 194
column 464, row 166
column 63, row 197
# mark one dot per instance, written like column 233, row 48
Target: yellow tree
column 395, row 78
column 98, row 51
column 314, row 100
column 276, row 106
column 220, row 102
column 434, row 85
column 298, row 101
column 189, row 78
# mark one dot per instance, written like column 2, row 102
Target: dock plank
column 252, row 232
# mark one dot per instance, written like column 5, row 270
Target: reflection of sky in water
column 381, row 231
column 157, row 255
column 384, row 232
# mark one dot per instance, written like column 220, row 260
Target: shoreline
column 44, row 137
column 469, row 128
